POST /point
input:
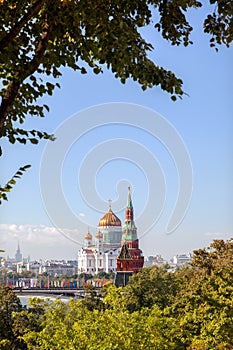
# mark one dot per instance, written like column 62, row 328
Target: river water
column 25, row 298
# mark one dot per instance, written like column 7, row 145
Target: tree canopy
column 40, row 37
column 189, row 309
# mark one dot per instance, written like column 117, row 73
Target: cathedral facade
column 100, row 252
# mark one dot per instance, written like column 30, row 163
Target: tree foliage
column 74, row 327
column 9, row 304
column 153, row 285
column 218, row 255
column 40, row 37
column 219, row 24
column 204, row 305
column 189, row 309
column 7, row 188
column 92, row 299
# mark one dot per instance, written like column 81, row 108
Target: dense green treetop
column 153, row 285
column 204, row 304
column 218, row 255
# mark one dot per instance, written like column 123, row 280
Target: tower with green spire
column 130, row 260
column 129, row 229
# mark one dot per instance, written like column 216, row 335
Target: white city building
column 154, row 260
column 181, row 259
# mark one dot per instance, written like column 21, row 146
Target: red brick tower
column 130, row 259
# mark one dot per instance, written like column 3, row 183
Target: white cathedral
column 100, row 253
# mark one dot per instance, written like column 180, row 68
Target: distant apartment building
column 152, row 260
column 57, row 268
column 25, row 265
column 181, row 259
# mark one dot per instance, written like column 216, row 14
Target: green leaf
column 46, row 107
column 12, row 182
column 27, row 166
column 83, row 70
column 34, row 141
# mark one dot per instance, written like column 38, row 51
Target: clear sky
column 100, row 156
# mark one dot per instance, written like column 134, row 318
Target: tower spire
column 129, row 201
column 18, row 246
column 18, row 255
column 129, row 207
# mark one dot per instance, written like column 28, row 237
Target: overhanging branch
column 18, row 26
column 12, row 90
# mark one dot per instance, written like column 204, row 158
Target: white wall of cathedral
column 99, row 254
column 99, row 243
column 93, row 262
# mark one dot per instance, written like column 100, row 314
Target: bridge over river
column 77, row 293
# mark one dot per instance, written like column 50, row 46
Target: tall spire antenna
column 110, row 204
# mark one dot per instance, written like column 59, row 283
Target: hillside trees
column 189, row 309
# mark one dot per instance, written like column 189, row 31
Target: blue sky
column 203, row 120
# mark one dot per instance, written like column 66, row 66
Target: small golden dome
column 109, row 219
column 99, row 234
column 88, row 236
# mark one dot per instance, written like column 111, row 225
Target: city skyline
column 27, row 258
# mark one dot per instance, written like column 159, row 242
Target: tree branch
column 16, row 29
column 11, row 92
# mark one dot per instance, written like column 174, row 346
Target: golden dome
column 88, row 236
column 109, row 219
column 99, row 234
